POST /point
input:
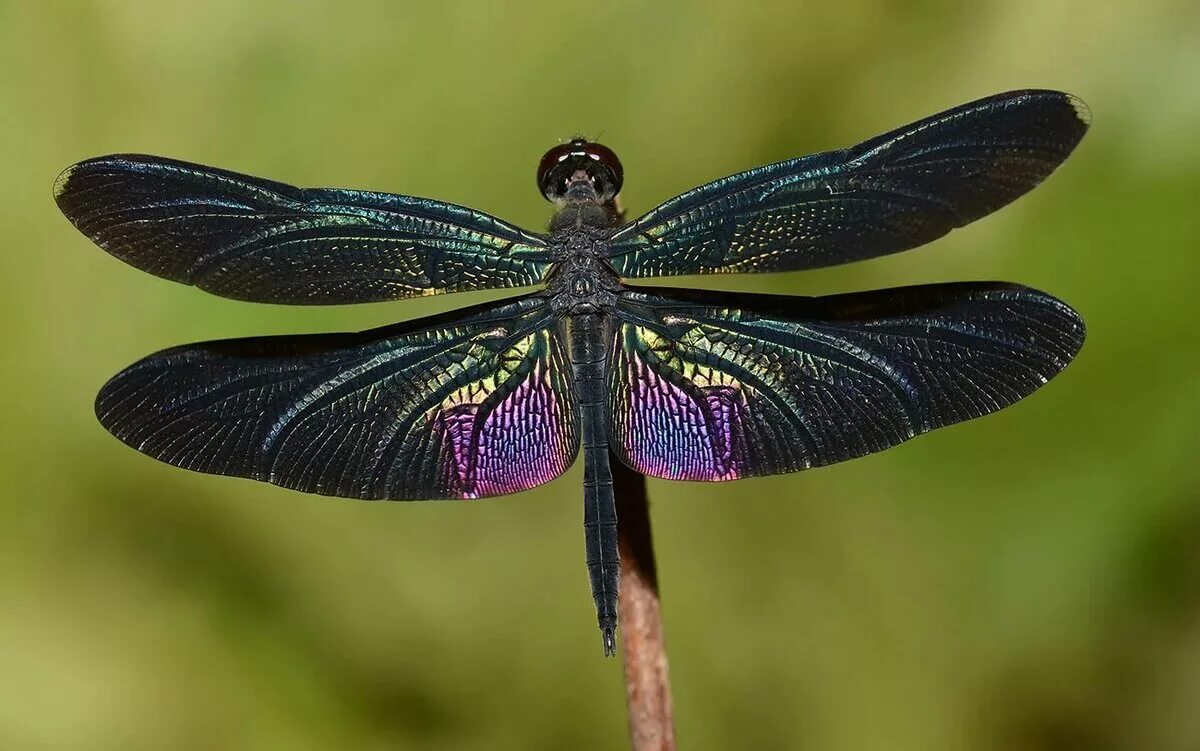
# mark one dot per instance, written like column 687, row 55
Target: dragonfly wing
column 888, row 194
column 720, row 386
column 474, row 404
column 253, row 239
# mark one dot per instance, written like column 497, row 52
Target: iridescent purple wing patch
column 502, row 438
column 446, row 407
column 673, row 420
column 717, row 386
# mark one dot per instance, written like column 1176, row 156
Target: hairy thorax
column 582, row 280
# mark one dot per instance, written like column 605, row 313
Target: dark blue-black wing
column 253, row 239
column 475, row 403
column 888, row 194
column 718, row 386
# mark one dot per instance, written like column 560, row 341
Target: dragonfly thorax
column 582, row 281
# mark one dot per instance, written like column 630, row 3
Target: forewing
column 717, row 386
column 448, row 407
column 253, row 239
column 888, row 194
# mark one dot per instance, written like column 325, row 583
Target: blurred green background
column 1030, row 580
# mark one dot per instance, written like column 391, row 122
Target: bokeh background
column 1030, row 580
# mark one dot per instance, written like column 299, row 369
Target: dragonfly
column 676, row 383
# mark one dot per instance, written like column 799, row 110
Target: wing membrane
column 888, row 194
column 717, row 386
column 253, row 239
column 448, row 407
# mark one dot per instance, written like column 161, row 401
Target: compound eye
column 600, row 153
column 553, row 158
column 562, row 162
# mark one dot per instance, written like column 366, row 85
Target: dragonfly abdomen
column 589, row 361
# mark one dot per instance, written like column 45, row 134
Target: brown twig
column 647, row 688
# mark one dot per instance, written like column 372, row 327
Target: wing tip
column 67, row 180
column 1075, row 328
column 62, row 182
column 1076, row 108
column 1079, row 107
column 1083, row 113
column 104, row 407
column 1079, row 329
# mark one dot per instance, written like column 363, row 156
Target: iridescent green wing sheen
column 253, row 239
column 717, row 386
column 891, row 193
column 477, row 403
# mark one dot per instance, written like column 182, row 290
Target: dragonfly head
column 579, row 170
